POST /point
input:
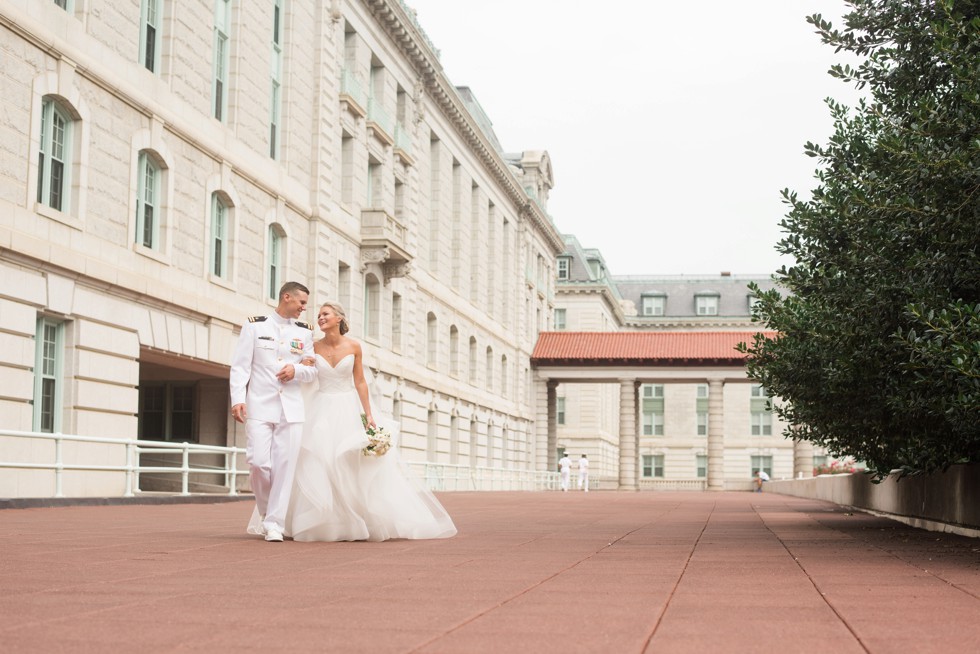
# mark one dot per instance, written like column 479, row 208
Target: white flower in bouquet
column 379, row 441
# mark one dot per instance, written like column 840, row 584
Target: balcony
column 403, row 144
column 380, row 123
column 384, row 241
column 352, row 96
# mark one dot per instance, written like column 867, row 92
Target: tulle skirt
column 339, row 494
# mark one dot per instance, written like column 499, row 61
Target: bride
column 339, row 493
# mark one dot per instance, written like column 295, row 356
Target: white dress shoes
column 273, row 536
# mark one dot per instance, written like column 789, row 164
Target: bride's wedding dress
column 341, row 494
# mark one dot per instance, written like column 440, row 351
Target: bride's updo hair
column 339, row 310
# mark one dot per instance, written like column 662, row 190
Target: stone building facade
column 673, row 410
column 165, row 166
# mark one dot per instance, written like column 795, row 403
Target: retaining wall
column 948, row 501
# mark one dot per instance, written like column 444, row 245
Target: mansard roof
column 641, row 348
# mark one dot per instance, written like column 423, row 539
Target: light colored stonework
column 463, row 228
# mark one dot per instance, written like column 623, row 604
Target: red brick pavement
column 528, row 572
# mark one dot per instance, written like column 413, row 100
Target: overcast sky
column 672, row 126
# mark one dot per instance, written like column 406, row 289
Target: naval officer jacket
column 266, row 344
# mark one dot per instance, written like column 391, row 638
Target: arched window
column 54, row 156
column 432, row 341
column 149, row 210
column 277, row 239
column 489, row 369
column 453, row 351
column 504, row 372
column 472, row 362
column 220, row 217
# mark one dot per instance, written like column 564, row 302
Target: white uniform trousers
column 271, row 453
column 565, row 478
column 583, row 479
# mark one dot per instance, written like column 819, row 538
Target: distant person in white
column 583, row 473
column 760, row 476
column 266, row 373
column 565, row 466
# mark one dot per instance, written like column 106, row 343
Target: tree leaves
column 878, row 353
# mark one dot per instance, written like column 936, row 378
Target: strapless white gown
column 340, row 494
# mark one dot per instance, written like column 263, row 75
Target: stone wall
column 941, row 502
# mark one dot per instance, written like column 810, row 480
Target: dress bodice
column 335, row 379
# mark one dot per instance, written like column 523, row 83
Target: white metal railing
column 436, row 476
column 453, row 477
column 132, row 468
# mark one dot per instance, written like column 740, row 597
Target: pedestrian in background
column 565, row 467
column 583, row 473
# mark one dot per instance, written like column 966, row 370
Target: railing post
column 184, row 474
column 232, row 477
column 130, row 488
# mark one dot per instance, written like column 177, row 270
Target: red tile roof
column 640, row 348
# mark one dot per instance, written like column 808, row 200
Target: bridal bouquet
column 379, row 441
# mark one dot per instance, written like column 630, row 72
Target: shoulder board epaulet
column 257, row 318
column 306, row 325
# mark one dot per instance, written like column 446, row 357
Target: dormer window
column 653, row 305
column 564, row 268
column 706, row 304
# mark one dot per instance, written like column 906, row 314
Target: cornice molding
column 412, row 42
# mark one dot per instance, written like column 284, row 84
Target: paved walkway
column 528, row 572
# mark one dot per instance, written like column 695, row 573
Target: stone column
column 716, row 435
column 802, row 459
column 552, row 425
column 545, row 425
column 628, row 443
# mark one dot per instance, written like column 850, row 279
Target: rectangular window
column 702, row 409
column 167, row 412
column 559, row 319
column 219, row 237
column 764, row 463
column 147, row 194
column 760, row 412
column 702, row 465
column 276, row 95
column 64, row 4
column 346, row 168
column 761, row 423
column 222, row 37
column 653, row 305
column 53, row 156
column 653, row 409
column 706, row 305
column 653, row 466
column 396, row 322
column 560, row 410
column 275, row 262
column 48, row 356
column 564, row 264
column 150, row 34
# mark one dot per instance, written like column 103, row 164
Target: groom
column 265, row 396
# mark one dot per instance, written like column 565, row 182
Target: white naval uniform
column 565, row 467
column 274, row 410
column 583, row 473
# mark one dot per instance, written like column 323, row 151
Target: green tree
column 878, row 346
